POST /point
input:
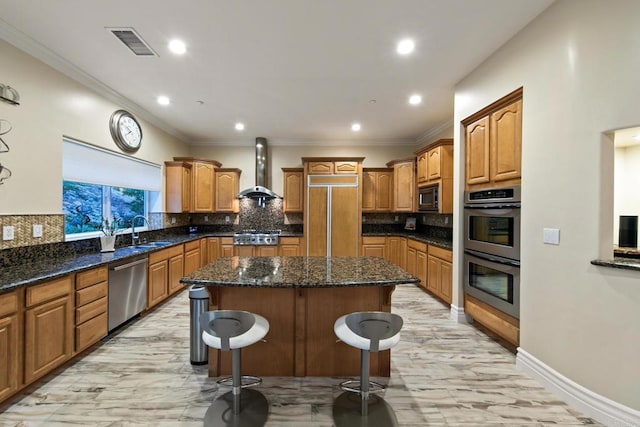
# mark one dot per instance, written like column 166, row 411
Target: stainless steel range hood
column 260, row 192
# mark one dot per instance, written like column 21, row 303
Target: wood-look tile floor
column 443, row 374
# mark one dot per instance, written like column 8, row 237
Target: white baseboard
column 593, row 405
column 457, row 314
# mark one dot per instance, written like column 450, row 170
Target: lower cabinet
column 397, row 251
column 290, row 246
column 256, row 250
column 165, row 271
column 226, row 247
column 10, row 343
column 91, row 323
column 49, row 324
column 440, row 273
column 191, row 257
column 374, row 246
column 417, row 260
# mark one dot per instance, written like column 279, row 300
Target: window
column 84, row 205
column 98, row 184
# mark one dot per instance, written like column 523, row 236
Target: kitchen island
column 301, row 297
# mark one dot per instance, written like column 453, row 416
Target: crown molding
column 308, row 142
column 32, row 47
column 433, row 132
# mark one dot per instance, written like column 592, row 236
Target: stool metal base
column 245, row 381
column 254, row 410
column 347, row 412
column 353, row 386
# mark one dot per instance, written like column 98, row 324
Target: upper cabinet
column 190, row 185
column 377, row 189
column 227, row 188
column 494, row 144
column 293, row 179
column 178, row 187
column 322, row 166
column 404, row 185
column 435, row 167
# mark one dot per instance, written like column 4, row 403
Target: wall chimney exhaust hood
column 260, row 192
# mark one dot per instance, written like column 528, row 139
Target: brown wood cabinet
column 377, row 189
column 435, row 167
column 191, row 257
column 226, row 247
column 256, row 250
column 440, row 273
column 49, row 324
column 165, row 271
column 417, row 260
column 10, row 343
column 397, row 251
column 91, row 306
column 374, row 246
column 290, row 246
column 227, row 188
column 202, row 197
column 177, row 187
column 293, row 180
column 494, row 144
column 502, row 324
column 404, row 185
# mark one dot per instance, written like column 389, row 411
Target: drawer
column 91, row 332
column 191, row 246
column 91, row 310
column 374, row 240
column 92, row 293
column 289, row 240
column 443, row 254
column 48, row 291
column 165, row 254
column 91, row 277
column 414, row 244
column 8, row 303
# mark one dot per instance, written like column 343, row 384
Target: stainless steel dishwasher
column 127, row 290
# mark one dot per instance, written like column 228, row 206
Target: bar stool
column 370, row 331
column 231, row 330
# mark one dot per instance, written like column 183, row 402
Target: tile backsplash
column 52, row 229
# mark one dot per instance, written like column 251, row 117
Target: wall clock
column 125, row 131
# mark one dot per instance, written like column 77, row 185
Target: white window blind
column 86, row 163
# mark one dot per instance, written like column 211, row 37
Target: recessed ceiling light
column 239, row 126
column 163, row 100
column 405, row 46
column 177, row 46
column 356, row 127
column 415, row 99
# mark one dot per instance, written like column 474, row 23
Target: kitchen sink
column 151, row 245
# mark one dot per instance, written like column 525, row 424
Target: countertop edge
column 619, row 263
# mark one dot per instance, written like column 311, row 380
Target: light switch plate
column 37, row 230
column 551, row 236
column 7, row 232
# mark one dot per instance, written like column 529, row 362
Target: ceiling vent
column 133, row 41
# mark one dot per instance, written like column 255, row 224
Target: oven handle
column 494, row 206
column 493, row 258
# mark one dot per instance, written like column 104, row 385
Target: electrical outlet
column 551, row 236
column 227, row 220
column 364, row 218
column 173, row 220
column 424, row 219
column 37, row 230
column 7, row 232
column 206, row 218
column 446, row 220
column 397, row 218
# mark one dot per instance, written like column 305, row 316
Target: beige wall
column 53, row 105
column 578, row 65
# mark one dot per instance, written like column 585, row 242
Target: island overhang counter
column 301, row 297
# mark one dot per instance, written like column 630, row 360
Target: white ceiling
column 292, row 70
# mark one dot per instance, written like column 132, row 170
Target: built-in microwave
column 428, row 198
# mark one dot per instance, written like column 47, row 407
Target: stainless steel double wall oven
column 492, row 247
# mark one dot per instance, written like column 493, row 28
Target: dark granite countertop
column 31, row 273
column 619, row 262
column 300, row 272
column 16, row 276
column 436, row 241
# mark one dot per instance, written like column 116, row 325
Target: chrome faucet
column 134, row 236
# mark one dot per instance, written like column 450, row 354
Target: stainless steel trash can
column 199, row 303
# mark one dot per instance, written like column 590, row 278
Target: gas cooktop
column 256, row 237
